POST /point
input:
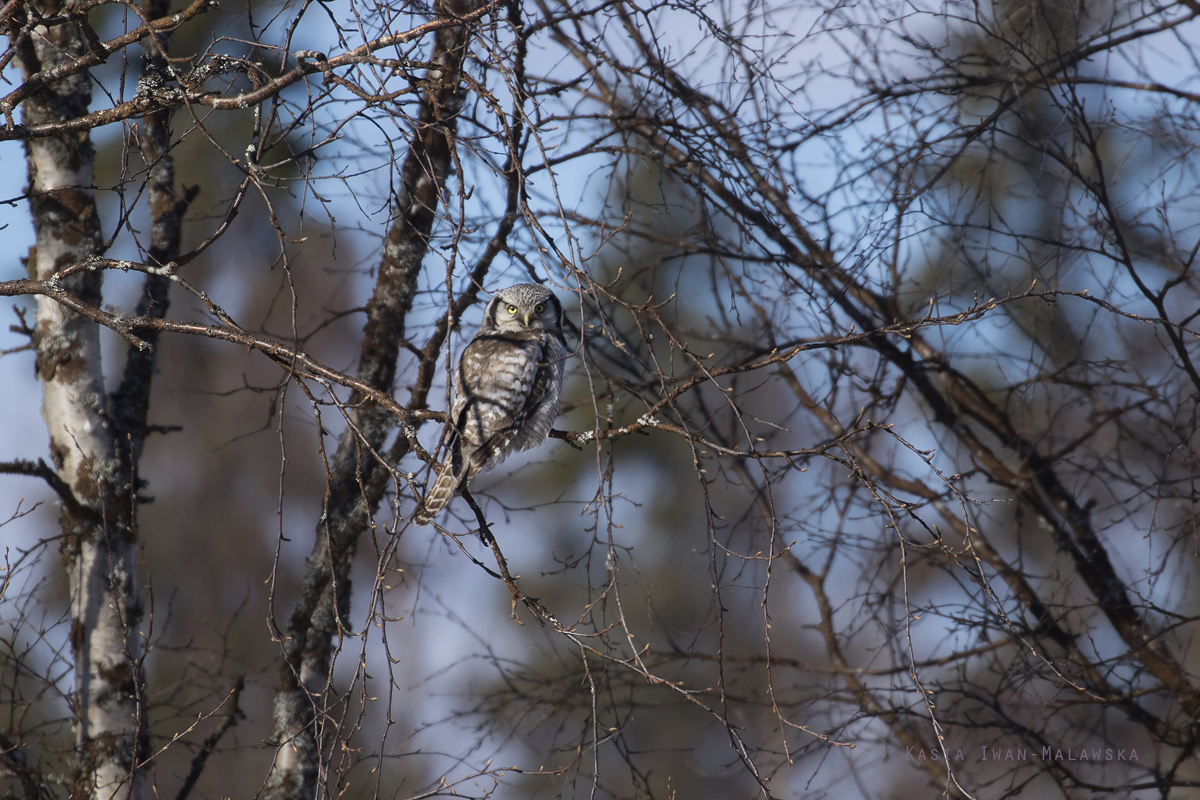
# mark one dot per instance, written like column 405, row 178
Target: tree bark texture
column 356, row 482
column 131, row 401
column 98, row 547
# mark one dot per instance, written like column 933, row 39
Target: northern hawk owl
column 506, row 389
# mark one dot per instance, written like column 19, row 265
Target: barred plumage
column 506, row 389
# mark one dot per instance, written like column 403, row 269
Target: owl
column 506, row 389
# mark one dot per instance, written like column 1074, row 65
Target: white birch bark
column 99, row 548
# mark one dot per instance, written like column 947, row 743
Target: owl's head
column 526, row 306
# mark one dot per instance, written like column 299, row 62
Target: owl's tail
column 448, row 482
column 441, row 492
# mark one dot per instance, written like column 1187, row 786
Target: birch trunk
column 98, row 542
column 356, row 483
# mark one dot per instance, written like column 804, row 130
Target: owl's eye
column 512, row 309
column 540, row 307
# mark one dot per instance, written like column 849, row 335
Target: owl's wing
column 541, row 404
column 491, row 391
column 548, row 377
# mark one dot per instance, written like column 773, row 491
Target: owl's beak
column 526, row 320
